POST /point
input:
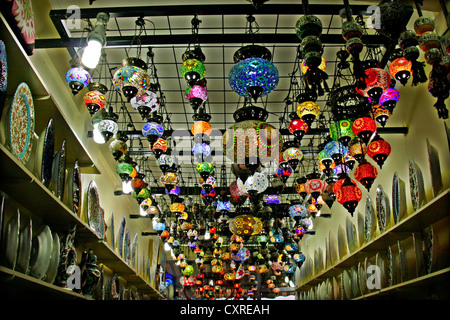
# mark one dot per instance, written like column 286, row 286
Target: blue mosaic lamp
column 336, row 151
column 152, row 131
column 253, row 77
column 77, row 77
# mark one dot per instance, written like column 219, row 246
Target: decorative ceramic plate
column 398, row 198
column 370, row 222
column 347, row 284
column 428, row 241
column 390, row 266
column 416, row 185
column 342, row 242
column 57, row 181
column 23, row 255
column 111, row 231
column 149, row 273
column 351, row 234
column 3, row 74
column 73, row 191
column 332, row 243
column 113, row 288
column 361, row 234
column 22, row 11
column 21, row 123
column 355, row 285
column 320, row 259
column 121, row 235
column 327, row 253
column 134, row 251
column 418, row 249
column 316, row 262
column 93, row 208
column 362, row 278
column 383, row 209
column 382, row 264
column 102, row 226
column 54, row 260
column 402, row 265
column 10, row 246
column 435, row 169
column 41, row 252
column 127, row 247
column 337, row 295
column 45, row 151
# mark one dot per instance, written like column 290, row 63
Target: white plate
column 416, row 185
column 10, row 246
column 347, row 284
column 362, row 278
column 435, row 169
column 25, row 238
column 134, row 251
column 370, row 221
column 342, row 242
column 361, row 234
column 54, row 260
column 398, row 198
column 351, row 234
column 121, row 236
column 355, row 284
column 41, row 252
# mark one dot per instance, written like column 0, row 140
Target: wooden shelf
column 17, row 281
column 428, row 214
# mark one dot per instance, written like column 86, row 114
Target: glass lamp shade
column 299, row 258
column 366, row 174
column 137, row 183
column 108, row 128
column 298, row 128
column 255, row 184
column 253, row 77
column 308, row 111
column 272, row 199
column 351, row 29
column 314, row 186
column 293, row 156
column 130, row 80
column 336, row 151
column 284, row 173
column 297, row 210
column 201, row 151
column 380, row 114
column 177, row 207
column 223, row 206
column 379, row 150
column 325, row 159
column 204, row 193
column 118, row 147
column 349, row 161
column 208, row 183
column 152, row 131
column 389, row 99
column 124, row 169
column 364, row 128
column 327, row 169
column 165, row 162
column 196, row 95
column 304, row 68
column 94, row 101
column 251, row 139
column 308, row 25
column 342, row 131
column 400, row 69
column 169, row 180
column 193, row 70
column 145, row 204
column 201, row 127
column 77, row 78
column 349, row 196
column 159, row 147
column 140, row 196
column 377, row 81
column 205, row 169
column 175, row 191
column 145, row 103
column 357, row 149
column 423, row 25
column 245, row 225
column 338, row 184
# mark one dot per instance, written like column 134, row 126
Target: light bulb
column 126, row 188
column 97, row 135
column 142, row 212
column 166, row 246
column 291, row 284
column 207, row 235
column 92, row 53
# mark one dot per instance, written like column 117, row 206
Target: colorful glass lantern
column 152, row 131
column 196, row 95
column 251, row 139
column 366, row 174
column 245, row 226
column 272, row 199
column 118, row 147
column 379, row 150
column 364, row 128
column 77, row 78
column 380, row 114
column 349, row 160
column 328, row 195
column 193, row 70
column 131, row 79
column 208, row 184
column 293, row 156
column 145, row 103
column 349, row 195
column 169, row 180
column 377, row 81
column 174, row 192
column 177, row 207
column 341, row 169
column 314, row 186
column 336, row 151
column 357, row 149
column 255, row 184
column 304, row 68
column 284, row 174
column 124, row 169
column 253, row 77
column 300, row 189
column 107, row 127
column 308, row 111
column 423, row 25
column 389, row 99
column 308, row 25
column 95, row 99
column 165, row 162
column 159, row 147
column 146, row 204
column 342, row 131
column 325, row 159
column 140, row 196
column 201, row 127
column 298, row 128
column 223, row 206
column 237, row 194
column 201, row 151
column 205, row 169
column 138, row 183
column 400, row 69
column 297, row 211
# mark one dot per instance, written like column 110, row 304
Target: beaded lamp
column 379, row 150
column 145, row 103
column 366, row 174
column 131, row 79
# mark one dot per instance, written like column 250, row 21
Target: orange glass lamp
column 380, row 114
column 349, row 195
column 366, row 174
column 159, row 147
column 308, row 111
column 400, row 69
column 364, row 128
column 379, row 150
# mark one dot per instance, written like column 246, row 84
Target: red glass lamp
column 377, row 81
column 380, row 114
column 400, row 69
column 366, row 174
column 379, row 150
column 314, row 186
column 349, row 195
column 364, row 128
column 298, row 127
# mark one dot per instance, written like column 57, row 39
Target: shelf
column 440, row 277
column 17, row 281
column 45, row 106
column 428, row 214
